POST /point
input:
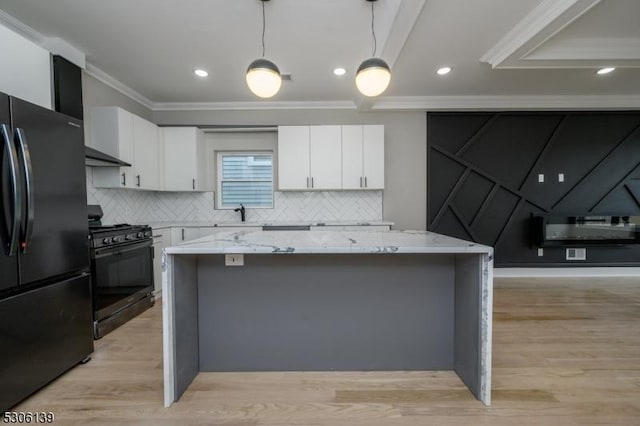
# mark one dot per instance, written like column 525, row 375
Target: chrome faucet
column 241, row 210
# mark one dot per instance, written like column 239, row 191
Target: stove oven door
column 121, row 276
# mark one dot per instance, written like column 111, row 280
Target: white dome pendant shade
column 373, row 77
column 263, row 78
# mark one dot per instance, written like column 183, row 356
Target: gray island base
column 327, row 301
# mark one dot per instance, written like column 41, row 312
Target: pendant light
column 373, row 75
column 263, row 76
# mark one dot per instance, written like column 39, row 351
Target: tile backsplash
column 130, row 206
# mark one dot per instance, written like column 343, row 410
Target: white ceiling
column 497, row 48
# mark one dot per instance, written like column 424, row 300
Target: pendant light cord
column 263, row 27
column 373, row 31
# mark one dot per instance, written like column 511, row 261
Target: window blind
column 246, row 179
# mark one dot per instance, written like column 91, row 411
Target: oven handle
column 114, row 251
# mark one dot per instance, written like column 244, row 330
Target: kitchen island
column 322, row 301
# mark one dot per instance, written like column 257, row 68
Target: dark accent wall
column 482, row 178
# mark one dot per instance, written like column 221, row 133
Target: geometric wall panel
column 486, row 188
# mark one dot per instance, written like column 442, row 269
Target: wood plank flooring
column 566, row 351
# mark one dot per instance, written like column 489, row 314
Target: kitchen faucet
column 241, row 210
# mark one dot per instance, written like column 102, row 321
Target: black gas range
column 121, row 272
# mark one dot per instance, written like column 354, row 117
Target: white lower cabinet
column 183, row 234
column 187, row 233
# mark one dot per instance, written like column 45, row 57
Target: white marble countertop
column 251, row 241
column 160, row 225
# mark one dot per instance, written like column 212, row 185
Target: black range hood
column 95, row 158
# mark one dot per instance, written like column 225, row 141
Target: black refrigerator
column 45, row 293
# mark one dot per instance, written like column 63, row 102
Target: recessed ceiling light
column 200, row 73
column 606, row 70
column 444, row 71
column 339, row 71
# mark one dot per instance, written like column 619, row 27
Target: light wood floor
column 566, row 351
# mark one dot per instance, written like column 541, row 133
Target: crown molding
column 252, row 106
column 21, row 28
column 542, row 23
column 533, row 102
column 105, row 78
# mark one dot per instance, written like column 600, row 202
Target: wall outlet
column 576, row 254
column 540, row 252
column 234, row 259
column 560, row 177
column 541, row 178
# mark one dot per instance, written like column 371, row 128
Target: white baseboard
column 566, row 272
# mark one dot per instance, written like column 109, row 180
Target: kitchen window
column 245, row 178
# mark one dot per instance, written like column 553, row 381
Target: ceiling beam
column 542, row 23
column 405, row 19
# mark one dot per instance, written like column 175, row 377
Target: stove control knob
column 147, row 234
column 140, row 235
column 129, row 237
column 115, row 239
column 106, row 241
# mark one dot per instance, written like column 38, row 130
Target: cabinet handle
column 138, row 178
column 307, row 181
column 365, row 182
column 312, row 182
column 360, row 181
column 124, row 179
column 182, row 234
column 194, row 183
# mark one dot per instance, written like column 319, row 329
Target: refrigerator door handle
column 14, row 232
column 28, row 177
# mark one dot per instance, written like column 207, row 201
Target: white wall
column 25, row 69
column 405, row 193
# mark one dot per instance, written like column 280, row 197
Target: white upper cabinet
column 325, row 157
column 330, row 157
column 309, row 158
column 130, row 138
column 184, row 159
column 112, row 133
column 293, row 158
column 146, row 154
column 363, row 157
column 26, row 69
column 352, row 173
column 373, row 156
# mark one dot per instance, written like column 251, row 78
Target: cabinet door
column 26, row 69
column 202, row 183
column 293, row 157
column 180, row 154
column 326, row 157
column 112, row 133
column 146, row 154
column 352, row 173
column 183, row 234
column 373, row 156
